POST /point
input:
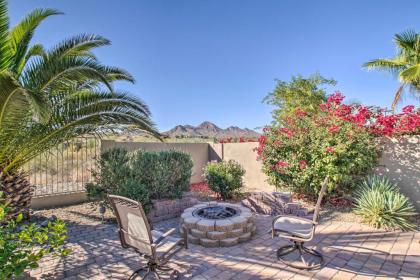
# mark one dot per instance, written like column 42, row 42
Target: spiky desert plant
column 380, row 204
column 49, row 96
column 405, row 65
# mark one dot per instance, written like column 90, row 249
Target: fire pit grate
column 216, row 212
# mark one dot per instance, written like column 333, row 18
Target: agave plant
column 381, row 205
column 49, row 96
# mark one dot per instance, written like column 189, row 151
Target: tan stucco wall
column 198, row 151
column 244, row 154
column 400, row 162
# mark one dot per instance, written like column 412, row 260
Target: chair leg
column 154, row 268
column 135, row 273
column 298, row 246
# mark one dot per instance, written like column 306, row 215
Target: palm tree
column 405, row 65
column 48, row 97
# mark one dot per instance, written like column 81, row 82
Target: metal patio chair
column 135, row 232
column 299, row 230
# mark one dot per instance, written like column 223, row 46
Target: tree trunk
column 17, row 193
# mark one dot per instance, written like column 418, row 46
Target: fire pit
column 217, row 224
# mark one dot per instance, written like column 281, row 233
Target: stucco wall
column 244, row 154
column 400, row 162
column 198, row 151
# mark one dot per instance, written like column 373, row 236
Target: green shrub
column 224, row 178
column 23, row 245
column 381, row 205
column 166, row 174
column 141, row 175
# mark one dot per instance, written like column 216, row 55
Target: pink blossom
column 287, row 131
column 302, row 164
column 300, row 113
column 336, row 98
column 408, row 109
column 281, row 164
column 334, row 129
column 330, row 150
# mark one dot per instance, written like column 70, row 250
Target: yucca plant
column 49, row 96
column 380, row 204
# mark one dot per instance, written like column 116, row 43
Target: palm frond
column 62, row 72
column 5, row 51
column 406, row 40
column 394, row 66
column 35, row 50
column 410, row 74
column 13, row 103
column 79, row 45
column 22, row 34
column 83, row 113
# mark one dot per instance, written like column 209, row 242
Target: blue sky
column 197, row 60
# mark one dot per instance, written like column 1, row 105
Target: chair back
column 133, row 227
column 320, row 196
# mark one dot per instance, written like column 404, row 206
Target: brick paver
column 351, row 251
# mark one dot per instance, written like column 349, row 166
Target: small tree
column 304, row 93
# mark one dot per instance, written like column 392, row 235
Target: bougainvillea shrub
column 339, row 140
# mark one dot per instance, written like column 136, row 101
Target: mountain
column 209, row 130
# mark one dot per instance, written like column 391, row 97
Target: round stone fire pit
column 215, row 224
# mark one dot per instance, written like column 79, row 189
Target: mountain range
column 209, row 130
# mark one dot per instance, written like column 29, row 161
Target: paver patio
column 351, row 251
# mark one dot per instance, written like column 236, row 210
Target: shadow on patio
column 349, row 250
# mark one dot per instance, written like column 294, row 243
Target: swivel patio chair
column 135, row 232
column 299, row 230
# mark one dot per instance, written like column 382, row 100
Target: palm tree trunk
column 17, row 192
column 397, row 97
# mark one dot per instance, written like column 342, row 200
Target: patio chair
column 135, row 232
column 299, row 230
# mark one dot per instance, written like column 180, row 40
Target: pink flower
column 300, row 113
column 323, row 107
column 287, row 131
column 277, row 142
column 330, row 150
column 336, row 98
column 302, row 164
column 334, row 129
column 408, row 109
column 281, row 164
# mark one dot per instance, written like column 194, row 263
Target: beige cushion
column 293, row 226
column 166, row 245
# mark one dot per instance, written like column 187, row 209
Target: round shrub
column 304, row 148
column 224, row 178
column 381, row 205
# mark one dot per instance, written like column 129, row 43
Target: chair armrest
column 163, row 236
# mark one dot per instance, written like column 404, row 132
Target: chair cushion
column 293, row 226
column 166, row 245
